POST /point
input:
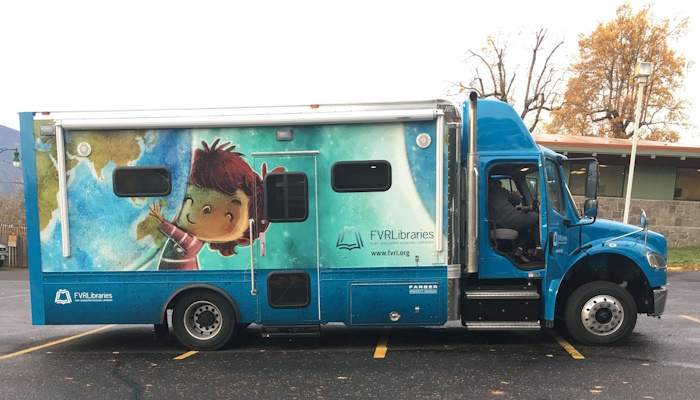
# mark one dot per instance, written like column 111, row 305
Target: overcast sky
column 92, row 55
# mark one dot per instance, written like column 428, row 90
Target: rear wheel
column 600, row 313
column 203, row 320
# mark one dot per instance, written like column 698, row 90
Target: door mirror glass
column 644, row 219
column 592, row 180
column 590, row 208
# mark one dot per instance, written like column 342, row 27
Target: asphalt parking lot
column 660, row 361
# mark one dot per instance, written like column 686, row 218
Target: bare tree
column 491, row 78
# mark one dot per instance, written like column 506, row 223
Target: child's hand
column 155, row 211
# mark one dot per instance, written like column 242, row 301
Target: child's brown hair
column 220, row 168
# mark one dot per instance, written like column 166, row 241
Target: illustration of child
column 222, row 194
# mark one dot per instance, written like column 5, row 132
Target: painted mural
column 222, row 195
column 203, row 224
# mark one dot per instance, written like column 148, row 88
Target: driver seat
column 502, row 238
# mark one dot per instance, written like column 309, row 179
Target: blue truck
column 208, row 220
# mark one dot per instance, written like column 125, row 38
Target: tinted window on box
column 286, row 197
column 361, row 176
column 141, row 181
column 288, row 289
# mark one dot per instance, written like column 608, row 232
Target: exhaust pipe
column 472, row 191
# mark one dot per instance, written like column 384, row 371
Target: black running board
column 272, row 331
column 503, row 326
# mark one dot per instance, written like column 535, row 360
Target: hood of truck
column 607, row 229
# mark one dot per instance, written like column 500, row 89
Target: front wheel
column 600, row 314
column 203, row 320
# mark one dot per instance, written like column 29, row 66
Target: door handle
column 551, row 242
column 263, row 244
column 252, row 261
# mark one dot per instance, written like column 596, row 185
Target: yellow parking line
column 691, row 318
column 25, row 351
column 380, row 351
column 566, row 345
column 183, row 356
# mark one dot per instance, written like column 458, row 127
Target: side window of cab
column 554, row 187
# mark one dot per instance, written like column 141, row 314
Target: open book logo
column 349, row 238
column 63, row 296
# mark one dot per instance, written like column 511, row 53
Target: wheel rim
column 602, row 315
column 202, row 320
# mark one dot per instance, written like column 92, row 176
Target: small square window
column 286, row 197
column 141, row 181
column 288, row 289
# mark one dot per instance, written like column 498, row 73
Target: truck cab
column 595, row 275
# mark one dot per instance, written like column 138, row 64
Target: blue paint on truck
column 294, row 217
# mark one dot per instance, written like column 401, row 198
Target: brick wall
column 678, row 221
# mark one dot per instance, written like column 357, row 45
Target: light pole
column 641, row 72
column 15, row 156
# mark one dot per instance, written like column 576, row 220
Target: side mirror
column 590, row 208
column 592, row 180
column 644, row 219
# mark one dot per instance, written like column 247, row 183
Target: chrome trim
column 151, row 121
column 453, row 296
column 660, row 300
column 454, row 192
column 472, row 182
column 263, row 244
column 318, row 253
column 252, row 261
column 454, row 271
column 62, row 189
column 284, row 153
column 501, row 295
column 502, row 325
column 440, row 151
column 620, row 237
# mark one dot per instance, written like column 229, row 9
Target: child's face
column 213, row 216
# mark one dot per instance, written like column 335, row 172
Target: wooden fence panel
column 17, row 235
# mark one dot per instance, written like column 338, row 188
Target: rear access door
column 286, row 263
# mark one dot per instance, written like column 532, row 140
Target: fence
column 15, row 237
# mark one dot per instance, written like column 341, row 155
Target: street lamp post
column 15, row 156
column 641, row 72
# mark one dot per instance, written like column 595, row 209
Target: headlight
column 656, row 260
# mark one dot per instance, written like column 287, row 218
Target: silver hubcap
column 202, row 320
column 602, row 315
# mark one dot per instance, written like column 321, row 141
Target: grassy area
column 687, row 258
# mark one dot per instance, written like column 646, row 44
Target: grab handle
column 252, row 261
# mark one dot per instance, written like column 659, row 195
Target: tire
column 600, row 314
column 203, row 320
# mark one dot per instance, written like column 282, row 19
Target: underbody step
column 491, row 306
column 502, row 325
column 501, row 294
column 269, row 331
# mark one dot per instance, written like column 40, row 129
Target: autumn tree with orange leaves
column 600, row 97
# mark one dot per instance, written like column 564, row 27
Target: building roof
column 600, row 145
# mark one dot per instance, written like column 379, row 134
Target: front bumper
column 660, row 300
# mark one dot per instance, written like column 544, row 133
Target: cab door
column 556, row 245
column 286, row 263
